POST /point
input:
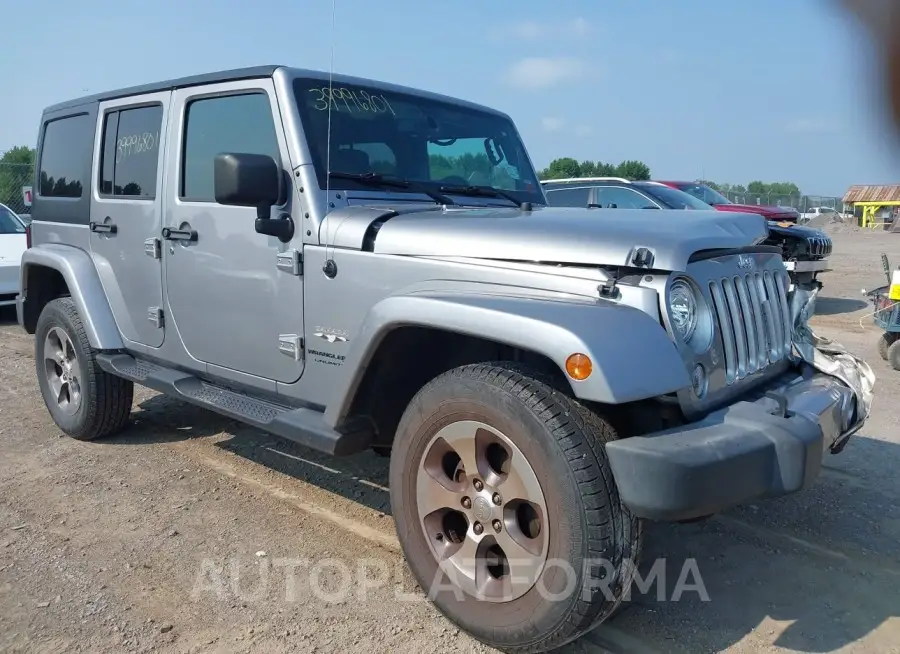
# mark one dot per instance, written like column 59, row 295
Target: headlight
column 683, row 309
column 689, row 315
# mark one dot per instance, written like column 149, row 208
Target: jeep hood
column 565, row 235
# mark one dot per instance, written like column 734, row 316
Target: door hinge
column 290, row 261
column 291, row 345
column 153, row 248
column 155, row 315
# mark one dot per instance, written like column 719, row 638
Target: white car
column 12, row 245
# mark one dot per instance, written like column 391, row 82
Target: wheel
column 893, row 355
column 506, row 508
column 884, row 342
column 85, row 401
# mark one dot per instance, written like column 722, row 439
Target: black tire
column 564, row 443
column 884, row 342
column 893, row 355
column 106, row 400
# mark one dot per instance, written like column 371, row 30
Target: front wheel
column 506, row 508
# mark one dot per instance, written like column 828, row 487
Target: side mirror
column 253, row 180
column 247, row 180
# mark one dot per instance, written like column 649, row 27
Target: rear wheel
column 884, row 343
column 506, row 508
column 85, row 401
column 893, row 355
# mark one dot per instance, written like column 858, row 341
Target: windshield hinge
column 608, row 289
column 290, row 261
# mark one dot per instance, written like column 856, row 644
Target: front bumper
column 769, row 445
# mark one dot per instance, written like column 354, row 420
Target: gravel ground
column 193, row 533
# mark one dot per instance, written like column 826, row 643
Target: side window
column 233, row 123
column 130, row 152
column 621, row 198
column 568, row 197
column 62, row 160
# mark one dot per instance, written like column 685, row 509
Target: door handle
column 104, row 228
column 170, row 234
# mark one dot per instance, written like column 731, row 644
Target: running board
column 301, row 425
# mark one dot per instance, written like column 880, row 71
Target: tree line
column 16, row 171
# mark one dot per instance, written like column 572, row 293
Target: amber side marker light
column 579, row 366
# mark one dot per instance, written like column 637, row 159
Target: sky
column 732, row 91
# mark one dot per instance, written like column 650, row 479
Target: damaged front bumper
column 770, row 444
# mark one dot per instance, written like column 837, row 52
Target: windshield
column 674, row 198
column 10, row 223
column 705, row 193
column 409, row 137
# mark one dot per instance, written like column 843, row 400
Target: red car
column 721, row 203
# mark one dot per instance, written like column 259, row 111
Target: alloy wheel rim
column 62, row 371
column 482, row 511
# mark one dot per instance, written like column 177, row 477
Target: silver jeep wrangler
column 351, row 264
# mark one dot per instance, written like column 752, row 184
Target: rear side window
column 234, row 123
column 66, row 142
column 130, row 152
column 569, row 197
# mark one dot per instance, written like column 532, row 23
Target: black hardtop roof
column 251, row 73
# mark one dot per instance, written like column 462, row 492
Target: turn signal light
column 579, row 366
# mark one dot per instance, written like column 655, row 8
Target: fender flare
column 550, row 327
column 77, row 269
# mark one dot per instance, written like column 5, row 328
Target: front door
column 232, row 306
column 126, row 212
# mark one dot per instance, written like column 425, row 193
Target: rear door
column 126, row 212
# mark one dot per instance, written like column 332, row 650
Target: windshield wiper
column 379, row 179
column 481, row 191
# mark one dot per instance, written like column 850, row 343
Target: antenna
column 330, row 267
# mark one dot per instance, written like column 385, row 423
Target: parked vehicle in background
column 824, row 213
column 352, row 264
column 26, row 218
column 804, row 250
column 715, row 199
column 13, row 242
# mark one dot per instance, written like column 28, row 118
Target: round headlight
column 683, row 309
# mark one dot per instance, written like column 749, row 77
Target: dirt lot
column 192, row 533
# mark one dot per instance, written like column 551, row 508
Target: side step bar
column 304, row 426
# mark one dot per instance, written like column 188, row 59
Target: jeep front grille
column 754, row 321
column 818, row 246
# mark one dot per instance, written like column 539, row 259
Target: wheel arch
column 408, row 340
column 54, row 270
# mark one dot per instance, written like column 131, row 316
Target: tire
column 884, row 342
column 893, row 355
column 95, row 404
column 562, row 442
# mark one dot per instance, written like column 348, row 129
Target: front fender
column 632, row 354
column 77, row 269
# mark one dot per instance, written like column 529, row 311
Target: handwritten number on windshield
column 350, row 100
